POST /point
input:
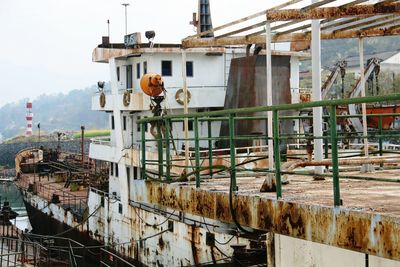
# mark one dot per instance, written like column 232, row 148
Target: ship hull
column 46, row 224
column 141, row 236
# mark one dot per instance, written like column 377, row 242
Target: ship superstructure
column 206, row 80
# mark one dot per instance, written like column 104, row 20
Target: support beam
column 185, row 109
column 291, row 37
column 268, row 67
column 316, row 91
column 332, row 12
column 362, row 85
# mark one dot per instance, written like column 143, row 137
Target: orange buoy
column 152, row 84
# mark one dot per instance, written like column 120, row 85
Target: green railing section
column 232, row 117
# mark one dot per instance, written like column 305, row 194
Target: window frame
column 163, row 73
column 192, row 68
column 138, row 70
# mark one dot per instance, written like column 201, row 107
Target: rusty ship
column 210, row 161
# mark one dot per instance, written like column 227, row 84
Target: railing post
column 197, row 150
column 326, row 143
column 335, row 162
column 232, row 151
column 160, row 151
column 380, row 136
column 143, row 147
column 277, row 155
column 210, row 152
column 167, row 149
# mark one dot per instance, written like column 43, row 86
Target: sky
column 46, row 45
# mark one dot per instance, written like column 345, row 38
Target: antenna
column 108, row 28
column 126, row 17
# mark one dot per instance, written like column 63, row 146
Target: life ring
column 180, row 96
column 102, row 100
column 126, row 99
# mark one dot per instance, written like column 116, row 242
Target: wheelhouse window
column 128, row 173
column 116, row 170
column 129, row 76
column 189, row 68
column 124, row 122
column 138, row 70
column 118, row 74
column 145, row 67
column 166, row 68
column 112, row 122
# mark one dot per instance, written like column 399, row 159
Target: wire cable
column 79, row 224
column 221, row 243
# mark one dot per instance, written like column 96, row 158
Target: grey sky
column 46, row 45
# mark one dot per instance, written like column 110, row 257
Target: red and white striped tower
column 29, row 117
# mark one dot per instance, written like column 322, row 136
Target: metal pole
column 316, row 89
column 83, row 145
column 268, row 66
column 210, row 152
column 363, row 105
column 160, row 151
column 185, row 109
column 232, row 151
column 197, row 150
column 126, row 17
column 143, row 146
column 335, row 161
column 167, row 148
column 277, row 154
column 380, row 138
column 108, row 29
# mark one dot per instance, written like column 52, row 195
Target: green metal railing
column 232, row 117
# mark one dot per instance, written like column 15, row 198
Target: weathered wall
column 296, row 252
column 247, row 88
column 8, row 151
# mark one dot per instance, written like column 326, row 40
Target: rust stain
column 362, row 231
column 195, row 241
column 161, row 243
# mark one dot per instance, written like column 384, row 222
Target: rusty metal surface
column 100, row 54
column 246, row 88
column 332, row 12
column 297, row 36
column 369, row 221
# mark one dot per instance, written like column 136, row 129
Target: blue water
column 9, row 192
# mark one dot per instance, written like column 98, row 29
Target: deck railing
column 331, row 138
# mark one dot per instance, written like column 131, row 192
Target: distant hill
column 61, row 112
column 338, row 49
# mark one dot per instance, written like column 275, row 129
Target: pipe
column 358, row 161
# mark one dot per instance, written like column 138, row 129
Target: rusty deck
column 367, row 222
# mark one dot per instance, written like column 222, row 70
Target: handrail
column 330, row 136
column 281, row 107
